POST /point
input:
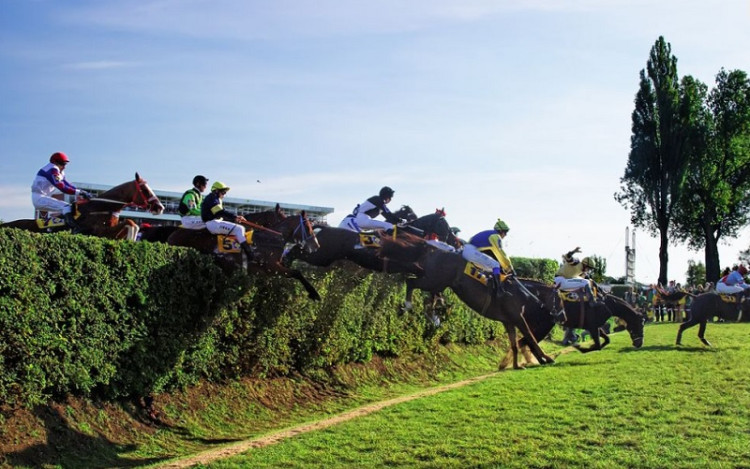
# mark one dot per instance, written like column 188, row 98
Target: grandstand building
column 171, row 200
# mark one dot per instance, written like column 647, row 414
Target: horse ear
column 303, row 214
column 137, row 177
column 278, row 207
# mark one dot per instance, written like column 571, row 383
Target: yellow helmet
column 219, row 186
column 588, row 262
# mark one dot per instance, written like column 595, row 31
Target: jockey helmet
column 386, row 193
column 742, row 270
column 200, row 180
column 59, row 158
column 588, row 263
column 219, row 186
column 501, row 226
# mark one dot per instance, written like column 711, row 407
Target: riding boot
column 71, row 222
column 500, row 290
column 249, row 251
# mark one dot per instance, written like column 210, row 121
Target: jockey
column 49, row 178
column 486, row 250
column 573, row 274
column 734, row 282
column 190, row 204
column 220, row 221
column 363, row 216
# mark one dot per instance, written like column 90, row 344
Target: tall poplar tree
column 655, row 173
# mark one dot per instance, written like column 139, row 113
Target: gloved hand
column 85, row 195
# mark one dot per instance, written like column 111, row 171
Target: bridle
column 143, row 197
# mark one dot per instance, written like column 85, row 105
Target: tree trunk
column 713, row 266
column 663, row 256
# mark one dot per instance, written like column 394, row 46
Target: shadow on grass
column 67, row 447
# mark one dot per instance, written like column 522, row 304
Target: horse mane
column 406, row 247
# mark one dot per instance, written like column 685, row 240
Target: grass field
column 661, row 406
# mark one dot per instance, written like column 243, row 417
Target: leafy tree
column 655, row 172
column 696, row 273
column 599, row 273
column 718, row 180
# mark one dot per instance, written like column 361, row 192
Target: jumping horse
column 729, row 307
column 445, row 269
column 100, row 215
column 579, row 314
column 362, row 248
column 269, row 244
column 160, row 233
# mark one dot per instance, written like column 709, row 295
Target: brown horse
column 444, row 269
column 268, row 243
column 100, row 215
column 705, row 306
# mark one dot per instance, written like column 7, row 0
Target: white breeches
column 722, row 287
column 193, row 222
column 49, row 204
column 226, row 228
column 472, row 254
column 363, row 222
column 568, row 284
column 443, row 246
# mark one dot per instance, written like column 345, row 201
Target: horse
column 671, row 304
column 362, row 248
column 435, row 226
column 728, row 307
column 268, row 242
column 100, row 215
column 580, row 315
column 446, row 269
column 160, row 233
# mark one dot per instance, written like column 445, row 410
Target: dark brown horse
column 100, row 215
column 363, row 248
column 444, row 269
column 160, row 233
column 269, row 244
column 708, row 305
column 671, row 305
column 580, row 315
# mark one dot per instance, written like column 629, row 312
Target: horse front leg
column 408, row 304
column 511, row 331
column 276, row 268
column 595, row 337
column 685, row 325
column 702, row 333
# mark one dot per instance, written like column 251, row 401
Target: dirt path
column 234, row 449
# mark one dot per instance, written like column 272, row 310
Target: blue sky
column 518, row 110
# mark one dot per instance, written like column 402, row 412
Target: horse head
column 633, row 319
column 134, row 193
column 299, row 230
column 406, row 213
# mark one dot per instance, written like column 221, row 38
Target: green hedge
column 93, row 317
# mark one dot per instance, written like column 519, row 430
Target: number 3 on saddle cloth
column 368, row 240
column 227, row 244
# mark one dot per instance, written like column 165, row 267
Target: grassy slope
column 661, row 406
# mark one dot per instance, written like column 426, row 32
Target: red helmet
column 59, row 158
column 742, row 270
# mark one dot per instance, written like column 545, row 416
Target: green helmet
column 588, row 262
column 219, row 186
column 501, row 225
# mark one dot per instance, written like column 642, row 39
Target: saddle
column 50, row 220
column 225, row 244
